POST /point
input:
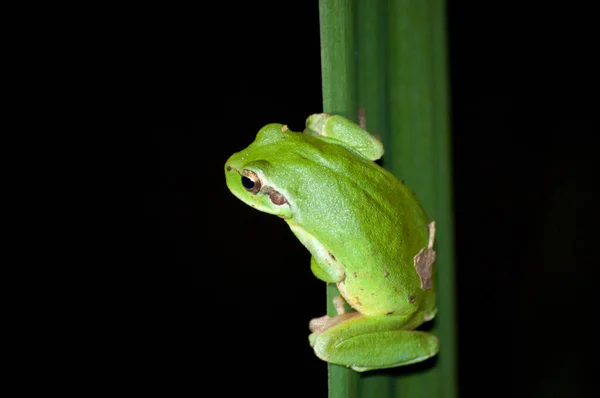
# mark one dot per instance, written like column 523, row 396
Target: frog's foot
column 338, row 303
column 318, row 325
column 372, row 342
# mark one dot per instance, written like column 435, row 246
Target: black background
column 524, row 119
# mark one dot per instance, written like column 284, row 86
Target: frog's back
column 373, row 225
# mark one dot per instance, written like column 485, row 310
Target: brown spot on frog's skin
column 424, row 260
column 228, row 168
column 362, row 117
column 284, row 128
column 354, row 274
column 332, row 256
column 275, row 197
column 389, row 313
column 386, row 274
column 411, row 299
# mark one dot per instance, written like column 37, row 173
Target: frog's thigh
column 368, row 342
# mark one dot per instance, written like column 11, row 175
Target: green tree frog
column 365, row 230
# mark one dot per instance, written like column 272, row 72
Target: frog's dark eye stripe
column 250, row 181
column 275, row 197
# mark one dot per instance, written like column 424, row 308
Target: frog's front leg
column 370, row 342
column 341, row 129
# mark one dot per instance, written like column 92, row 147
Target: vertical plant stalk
column 419, row 146
column 388, row 59
column 339, row 97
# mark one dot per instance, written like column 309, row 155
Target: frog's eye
column 250, row 181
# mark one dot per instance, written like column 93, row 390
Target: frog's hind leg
column 373, row 342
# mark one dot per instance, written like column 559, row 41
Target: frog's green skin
column 366, row 232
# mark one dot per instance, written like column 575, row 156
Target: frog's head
column 251, row 173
